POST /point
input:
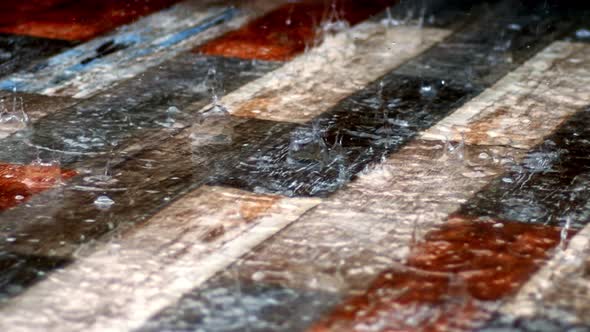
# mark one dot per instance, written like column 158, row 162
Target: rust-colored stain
column 448, row 276
column 19, row 182
column 251, row 210
column 288, row 30
column 72, row 19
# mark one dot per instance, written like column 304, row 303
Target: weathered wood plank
column 560, row 290
column 98, row 64
column 189, row 242
column 548, row 187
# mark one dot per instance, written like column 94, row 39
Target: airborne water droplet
column 104, row 202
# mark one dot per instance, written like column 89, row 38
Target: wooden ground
column 294, row 166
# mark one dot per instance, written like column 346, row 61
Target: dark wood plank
column 20, row 52
column 100, row 125
column 17, row 272
column 227, row 303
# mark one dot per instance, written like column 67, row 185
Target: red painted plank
column 72, row 20
column 19, row 182
column 288, row 30
column 448, row 278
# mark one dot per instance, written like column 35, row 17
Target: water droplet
column 507, row 180
column 428, row 91
column 212, row 127
column 307, row 144
column 103, row 202
column 12, row 116
column 172, row 110
column 258, row 276
column 514, row 27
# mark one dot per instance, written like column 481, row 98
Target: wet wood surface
column 361, row 166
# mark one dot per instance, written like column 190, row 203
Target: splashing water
column 12, row 117
column 565, row 232
column 213, row 85
column 307, row 144
column 389, row 21
column 173, row 120
column 103, row 202
column 43, row 173
column 334, row 22
column 454, row 150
